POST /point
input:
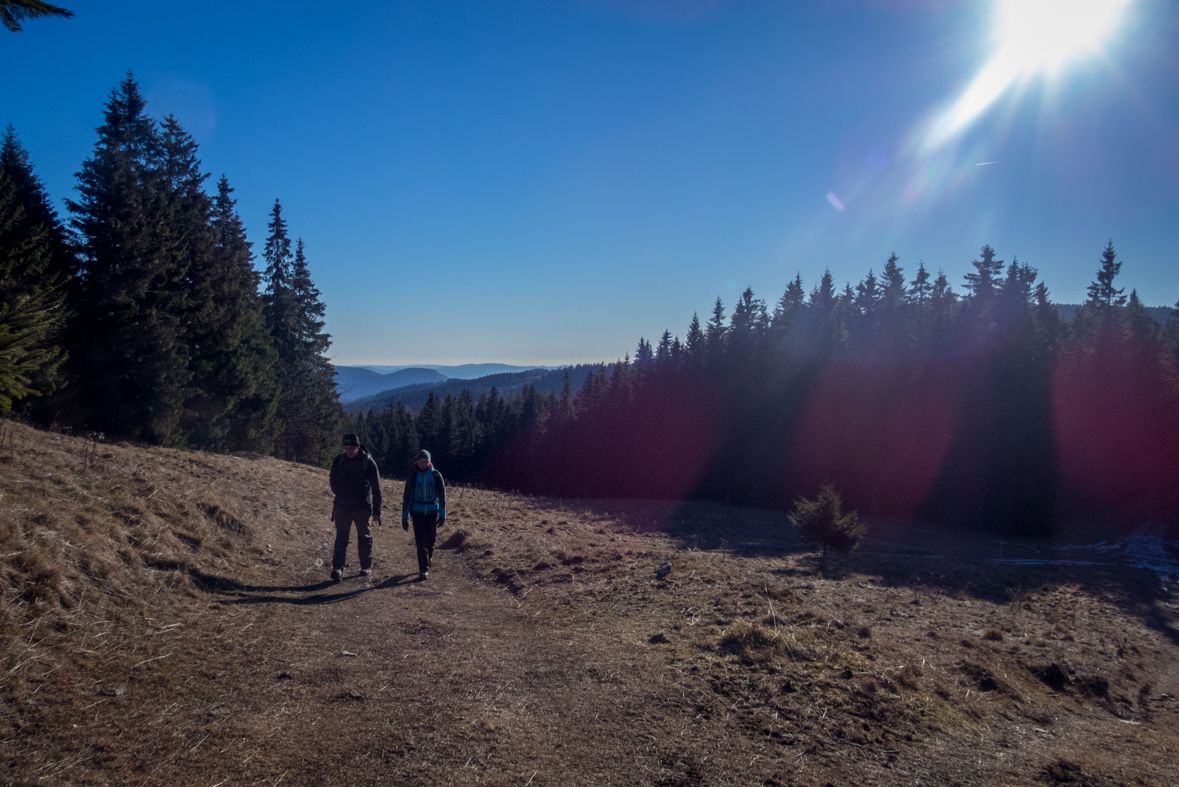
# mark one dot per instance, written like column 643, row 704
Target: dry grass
column 165, row 620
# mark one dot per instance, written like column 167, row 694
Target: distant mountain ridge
column 414, row 396
column 355, row 382
column 359, row 382
column 465, row 371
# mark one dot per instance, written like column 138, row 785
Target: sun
column 1031, row 36
column 1045, row 34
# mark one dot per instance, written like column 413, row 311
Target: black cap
column 351, row 439
column 423, row 454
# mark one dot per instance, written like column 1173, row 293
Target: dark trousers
column 364, row 538
column 425, row 533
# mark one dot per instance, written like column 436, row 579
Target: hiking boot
column 335, row 575
column 364, row 572
column 424, row 576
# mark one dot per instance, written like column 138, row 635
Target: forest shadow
column 962, row 563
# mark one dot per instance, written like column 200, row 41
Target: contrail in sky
column 985, row 163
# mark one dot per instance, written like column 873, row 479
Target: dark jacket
column 354, row 481
column 408, row 500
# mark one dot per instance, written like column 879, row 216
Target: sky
column 547, row 181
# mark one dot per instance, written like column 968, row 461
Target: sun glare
column 1036, row 34
column 1031, row 36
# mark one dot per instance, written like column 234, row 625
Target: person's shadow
column 302, row 595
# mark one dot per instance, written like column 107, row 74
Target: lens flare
column 1031, row 36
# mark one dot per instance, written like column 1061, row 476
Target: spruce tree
column 920, row 288
column 34, row 270
column 865, row 308
column 822, row 312
column 644, row 355
column 281, row 320
column 789, row 308
column 943, row 313
column 309, row 405
column 693, row 342
column 33, row 197
column 128, row 353
column 893, row 293
column 822, row 297
column 1103, row 296
column 323, row 398
column 746, row 324
column 663, row 351
column 715, row 334
column 240, row 365
column 983, row 283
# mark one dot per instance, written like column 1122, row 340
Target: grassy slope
column 164, row 620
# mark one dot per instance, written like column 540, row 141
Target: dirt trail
column 386, row 679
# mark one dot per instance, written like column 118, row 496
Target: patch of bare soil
column 167, row 619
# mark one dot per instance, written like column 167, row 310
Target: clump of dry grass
column 752, row 641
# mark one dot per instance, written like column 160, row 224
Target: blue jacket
column 425, row 492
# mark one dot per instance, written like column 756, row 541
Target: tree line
column 982, row 407
column 143, row 317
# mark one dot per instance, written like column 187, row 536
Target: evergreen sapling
column 822, row 523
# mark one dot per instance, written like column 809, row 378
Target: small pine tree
column 821, row 523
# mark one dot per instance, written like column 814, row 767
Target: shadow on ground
column 963, row 563
column 302, row 595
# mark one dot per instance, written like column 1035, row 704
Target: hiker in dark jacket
column 357, row 487
column 425, row 499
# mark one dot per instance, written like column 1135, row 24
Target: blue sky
column 545, row 181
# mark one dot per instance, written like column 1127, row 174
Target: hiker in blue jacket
column 357, row 486
column 425, row 499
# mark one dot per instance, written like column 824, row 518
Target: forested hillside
column 981, row 408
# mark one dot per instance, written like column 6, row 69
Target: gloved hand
column 441, row 517
column 405, row 522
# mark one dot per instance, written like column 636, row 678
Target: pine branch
column 12, row 12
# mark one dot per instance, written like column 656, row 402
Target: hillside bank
column 166, row 620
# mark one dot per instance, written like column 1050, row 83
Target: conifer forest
column 978, row 409
column 140, row 316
